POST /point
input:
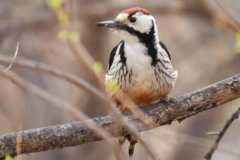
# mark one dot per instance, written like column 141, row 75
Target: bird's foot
column 132, row 142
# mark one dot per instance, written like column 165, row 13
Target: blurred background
column 200, row 35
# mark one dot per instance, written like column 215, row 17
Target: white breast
column 140, row 63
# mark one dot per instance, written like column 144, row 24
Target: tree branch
column 72, row 134
column 228, row 123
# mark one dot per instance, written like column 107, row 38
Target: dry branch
column 228, row 123
column 72, row 134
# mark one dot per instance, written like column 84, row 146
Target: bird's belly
column 144, row 93
column 145, row 89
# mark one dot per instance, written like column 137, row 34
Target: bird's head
column 134, row 20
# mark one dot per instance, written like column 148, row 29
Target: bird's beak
column 109, row 24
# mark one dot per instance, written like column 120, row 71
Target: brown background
column 202, row 53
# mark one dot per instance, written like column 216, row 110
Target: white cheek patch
column 125, row 36
column 143, row 24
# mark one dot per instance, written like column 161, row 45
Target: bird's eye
column 132, row 19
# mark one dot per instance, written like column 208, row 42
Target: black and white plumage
column 142, row 69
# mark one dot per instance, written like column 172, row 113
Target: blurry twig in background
column 12, row 59
column 230, row 22
column 228, row 123
column 229, row 17
column 85, row 58
column 218, row 16
column 59, row 103
column 52, row 71
column 214, row 133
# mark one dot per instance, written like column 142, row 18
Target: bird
column 141, row 68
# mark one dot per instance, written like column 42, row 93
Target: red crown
column 136, row 9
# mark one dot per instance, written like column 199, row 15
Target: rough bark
column 72, row 134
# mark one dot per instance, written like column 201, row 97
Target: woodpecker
column 143, row 68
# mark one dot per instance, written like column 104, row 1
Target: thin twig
column 85, row 58
column 228, row 123
column 232, row 19
column 13, row 59
column 213, row 133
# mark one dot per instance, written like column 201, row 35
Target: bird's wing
column 165, row 48
column 116, row 55
column 164, row 63
column 117, row 60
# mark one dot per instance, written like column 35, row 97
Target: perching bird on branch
column 142, row 69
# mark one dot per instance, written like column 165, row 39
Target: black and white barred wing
column 117, row 68
column 164, row 71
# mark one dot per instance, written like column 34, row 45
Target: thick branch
column 76, row 133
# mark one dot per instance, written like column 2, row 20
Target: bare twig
column 77, row 133
column 218, row 16
column 214, row 133
column 232, row 20
column 228, row 123
column 85, row 58
column 13, row 59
